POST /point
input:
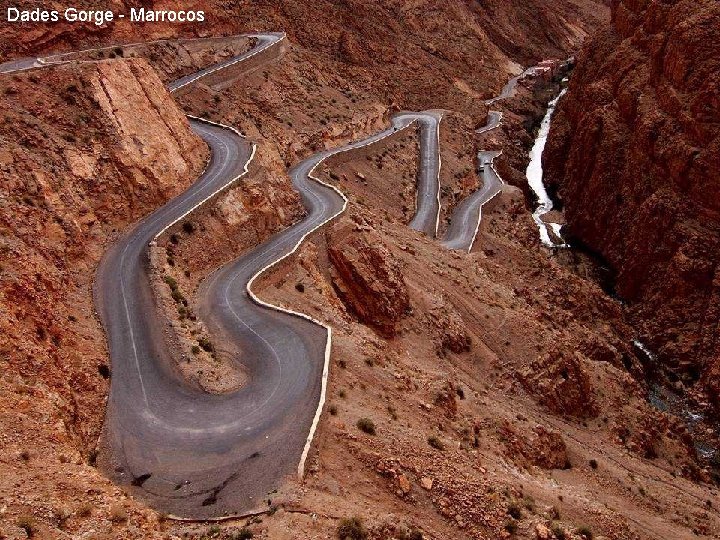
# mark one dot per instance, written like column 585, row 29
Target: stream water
column 666, row 400
column 534, row 175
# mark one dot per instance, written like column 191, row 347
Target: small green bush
column 558, row 531
column 27, row 524
column 244, row 534
column 366, row 425
column 351, row 529
column 171, row 282
column 585, row 532
column 206, row 345
column 436, row 443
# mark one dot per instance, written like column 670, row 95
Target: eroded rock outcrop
column 560, row 382
column 366, row 277
column 635, row 154
column 542, row 448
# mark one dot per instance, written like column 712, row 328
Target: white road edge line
column 328, row 344
column 477, row 227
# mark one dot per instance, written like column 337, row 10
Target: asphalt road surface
column 199, row 455
column 187, row 452
column 466, row 217
column 427, row 198
column 18, row 65
column 508, row 89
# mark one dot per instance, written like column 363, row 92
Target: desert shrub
column 594, row 463
column 412, row 534
column 206, row 345
column 171, row 282
column 393, row 412
column 27, row 524
column 195, row 349
column 104, row 371
column 188, row 227
column 85, row 510
column 178, row 297
column 558, row 531
column 244, row 534
column 366, row 425
column 351, row 529
column 585, row 532
column 435, row 442
column 514, row 510
column 118, row 514
column 299, row 287
column 332, row 409
column 511, row 526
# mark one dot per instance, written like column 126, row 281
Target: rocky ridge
column 633, row 154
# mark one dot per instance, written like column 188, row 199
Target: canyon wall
column 634, row 154
column 386, row 47
column 84, row 151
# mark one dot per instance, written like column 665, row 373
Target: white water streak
column 534, row 175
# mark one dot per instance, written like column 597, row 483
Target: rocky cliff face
column 635, row 155
column 366, row 278
column 84, row 151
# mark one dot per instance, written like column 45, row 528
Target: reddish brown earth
column 86, row 151
column 508, row 400
column 634, row 153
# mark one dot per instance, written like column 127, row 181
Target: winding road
column 193, row 454
column 198, row 455
column 466, row 218
column 509, row 87
column 427, row 201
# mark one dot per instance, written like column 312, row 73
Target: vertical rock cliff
column 634, row 153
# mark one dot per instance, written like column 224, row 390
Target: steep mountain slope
column 386, row 46
column 508, row 400
column 86, row 151
column 634, row 153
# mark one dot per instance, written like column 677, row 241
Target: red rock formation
column 560, row 382
column 542, row 448
column 366, row 277
column 635, row 154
